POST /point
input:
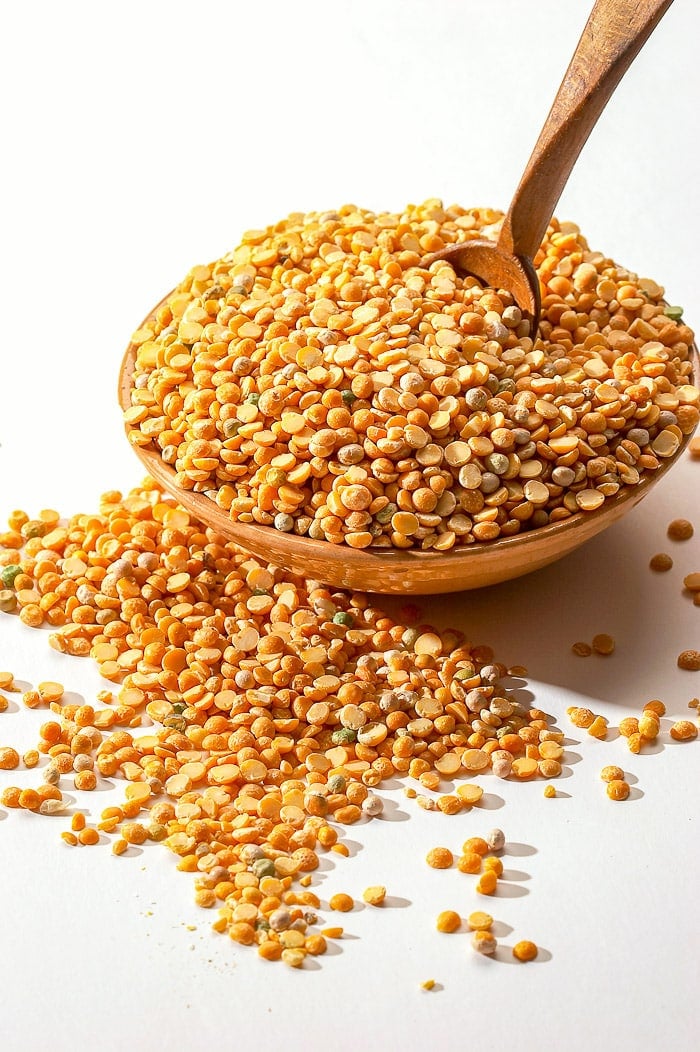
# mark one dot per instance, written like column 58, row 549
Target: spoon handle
column 614, row 34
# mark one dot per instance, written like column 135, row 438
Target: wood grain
column 613, row 36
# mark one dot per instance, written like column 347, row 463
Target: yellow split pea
column 471, row 862
column 260, row 797
column 599, row 727
column 321, row 379
column 618, row 789
column 374, row 895
column 661, row 562
column 612, row 773
column 689, row 660
column 480, row 921
column 439, row 858
column 680, row 530
column 9, row 758
column 487, row 882
column 341, row 902
column 525, row 950
column 683, row 731
column 448, row 921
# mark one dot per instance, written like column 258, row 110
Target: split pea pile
column 254, row 712
column 321, row 379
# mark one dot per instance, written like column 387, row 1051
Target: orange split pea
column 309, row 412
column 439, row 858
column 222, row 725
column 525, row 950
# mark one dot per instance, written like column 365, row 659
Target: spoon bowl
column 392, row 570
column 497, row 269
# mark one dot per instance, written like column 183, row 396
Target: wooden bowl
column 399, row 571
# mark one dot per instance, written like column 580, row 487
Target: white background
column 141, row 138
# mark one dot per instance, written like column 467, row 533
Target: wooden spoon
column 614, row 34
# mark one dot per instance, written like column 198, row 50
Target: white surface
column 141, row 138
